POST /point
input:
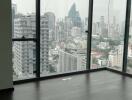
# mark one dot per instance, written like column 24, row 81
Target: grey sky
column 61, row 7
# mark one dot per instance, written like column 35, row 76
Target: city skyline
column 64, row 42
column 82, row 7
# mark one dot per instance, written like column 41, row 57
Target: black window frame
column 89, row 40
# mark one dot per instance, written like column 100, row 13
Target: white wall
column 5, row 45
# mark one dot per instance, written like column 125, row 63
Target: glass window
column 24, row 60
column 23, row 26
column 23, row 18
column 64, row 45
column 108, row 34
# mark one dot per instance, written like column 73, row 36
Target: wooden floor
column 103, row 85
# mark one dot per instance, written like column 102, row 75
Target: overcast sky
column 61, row 7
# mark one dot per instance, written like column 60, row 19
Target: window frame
column 89, row 39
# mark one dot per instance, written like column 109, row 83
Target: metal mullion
column 89, row 32
column 26, row 39
column 126, row 35
column 37, row 38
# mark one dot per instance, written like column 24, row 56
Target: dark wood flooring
column 102, row 85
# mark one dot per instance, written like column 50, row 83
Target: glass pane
column 23, row 18
column 24, row 60
column 129, row 64
column 108, row 33
column 63, row 37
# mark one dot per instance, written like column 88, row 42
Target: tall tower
column 51, row 24
column 110, row 15
column 51, row 20
column 75, row 16
column 44, row 44
column 110, row 10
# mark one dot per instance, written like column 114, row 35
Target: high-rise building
column 60, row 34
column 116, row 57
column 24, row 26
column 71, row 61
column 68, row 26
column 24, row 52
column 51, row 20
column 104, row 31
column 51, row 24
column 81, row 59
column 75, row 16
column 44, row 44
column 67, row 62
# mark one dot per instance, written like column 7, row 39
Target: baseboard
column 7, row 90
column 119, row 72
column 57, row 76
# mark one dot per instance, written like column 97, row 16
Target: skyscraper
column 75, row 16
column 44, row 44
column 67, row 62
column 51, row 20
column 51, row 24
column 24, row 51
column 104, row 31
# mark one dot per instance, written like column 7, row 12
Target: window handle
column 86, row 31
